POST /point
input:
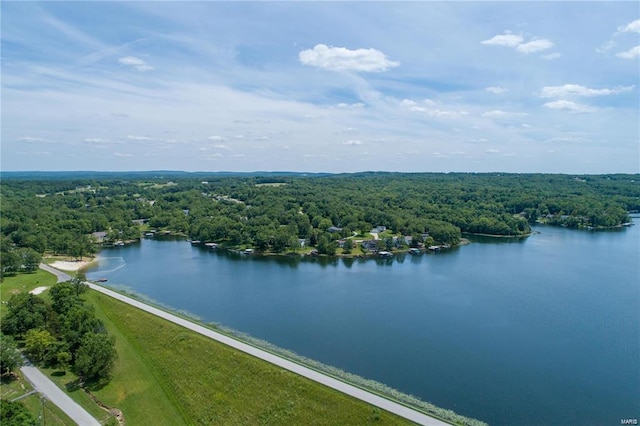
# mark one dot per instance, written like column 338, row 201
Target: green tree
column 325, row 246
column 388, row 244
column 95, row 357
column 64, row 297
column 15, row 414
column 30, row 260
column 63, row 360
column 10, row 359
column 25, row 312
column 37, row 344
column 9, row 259
column 77, row 322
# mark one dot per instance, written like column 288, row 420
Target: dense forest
column 63, row 333
column 58, row 213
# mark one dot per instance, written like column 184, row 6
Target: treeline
column 64, row 333
column 277, row 213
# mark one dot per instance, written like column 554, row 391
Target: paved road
column 54, row 394
column 62, row 276
column 316, row 376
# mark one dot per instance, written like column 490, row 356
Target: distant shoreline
column 478, row 234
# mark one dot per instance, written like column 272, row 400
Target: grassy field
column 166, row 375
column 169, row 375
column 23, row 283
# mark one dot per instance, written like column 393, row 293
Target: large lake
column 543, row 330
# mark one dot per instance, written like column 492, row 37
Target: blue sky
column 321, row 86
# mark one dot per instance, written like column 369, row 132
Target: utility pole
column 42, row 401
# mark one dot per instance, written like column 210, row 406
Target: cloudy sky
column 321, row 86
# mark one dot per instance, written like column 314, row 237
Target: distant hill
column 151, row 174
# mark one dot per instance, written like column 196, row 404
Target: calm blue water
column 543, row 331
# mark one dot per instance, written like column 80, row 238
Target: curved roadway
column 356, row 392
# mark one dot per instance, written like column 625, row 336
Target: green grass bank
column 169, row 375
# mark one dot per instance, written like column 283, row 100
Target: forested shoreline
column 74, row 213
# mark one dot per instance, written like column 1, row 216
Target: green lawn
column 23, row 283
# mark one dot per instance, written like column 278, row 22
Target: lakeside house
column 99, row 236
column 370, row 245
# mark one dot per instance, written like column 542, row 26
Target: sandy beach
column 73, row 266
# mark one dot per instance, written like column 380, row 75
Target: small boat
column 102, row 280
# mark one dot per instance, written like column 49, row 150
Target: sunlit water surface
column 543, row 330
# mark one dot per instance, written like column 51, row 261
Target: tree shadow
column 8, row 378
column 73, row 385
column 59, row 373
column 96, row 385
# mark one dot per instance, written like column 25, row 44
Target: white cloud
column 216, row 138
column 502, row 114
column 578, row 90
column 569, row 106
column 606, row 47
column 30, row 139
column 492, row 151
column 634, row 52
column 138, row 138
column 517, row 42
column 135, row 63
column 632, row 27
column 509, row 40
column 343, row 59
column 352, row 142
column 121, row 155
column 351, row 106
column 496, row 90
column 535, row 46
column 95, row 140
column 438, row 113
column 430, row 111
column 551, row 56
